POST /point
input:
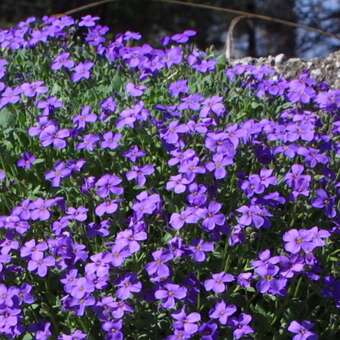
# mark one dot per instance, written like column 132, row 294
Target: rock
column 322, row 69
column 279, row 59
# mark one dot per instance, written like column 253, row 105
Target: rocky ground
column 323, row 69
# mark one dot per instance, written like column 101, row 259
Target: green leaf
column 27, row 336
column 167, row 237
column 117, row 82
column 39, row 161
column 55, row 89
column 7, row 118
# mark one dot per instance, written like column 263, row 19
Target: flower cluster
column 157, row 193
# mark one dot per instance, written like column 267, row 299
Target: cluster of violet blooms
column 195, row 184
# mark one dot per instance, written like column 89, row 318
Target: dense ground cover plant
column 154, row 192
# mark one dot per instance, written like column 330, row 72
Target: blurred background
column 252, row 37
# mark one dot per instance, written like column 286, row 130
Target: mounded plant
column 156, row 192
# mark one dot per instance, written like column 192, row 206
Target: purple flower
column 177, row 220
column 201, row 65
column 313, row 156
column 127, row 286
column 199, row 248
column 218, row 281
column 177, row 184
column 213, row 217
column 253, row 185
column 222, row 312
column 212, row 105
column 82, row 71
column 128, row 35
column 191, row 102
column 49, row 105
column 171, row 135
column 10, row 96
column 51, row 135
column 169, row 293
column 184, row 37
column 135, row 90
column 6, row 296
column 27, row 161
column 107, row 185
column 69, row 280
column 265, row 259
column 300, row 130
column 304, row 239
column 99, row 265
column 3, row 63
column 25, row 294
column 218, row 165
column 77, row 214
column 134, row 153
column 30, row 248
column 2, row 175
column 60, row 171
column 81, row 287
column 173, row 56
column 131, row 239
column 243, row 279
column 289, row 150
column 89, row 142
column 88, row 21
column 119, row 254
column 43, row 331
column 7, row 245
column 33, row 89
column 178, row 87
column 76, row 335
column 130, row 116
column 267, row 177
column 299, row 182
column 268, row 283
column 191, row 167
column 79, row 305
column 140, row 173
column 290, row 266
column 186, row 322
column 208, row 331
column 39, row 210
column 198, row 194
column 329, row 101
column 9, row 318
column 324, row 201
column 221, row 144
column 109, row 105
column 62, row 60
column 146, row 204
column 110, row 140
column 302, row 330
column 40, row 263
column 297, row 240
column 180, row 156
column 241, row 326
column 158, row 266
column 299, row 91
column 190, row 215
column 113, row 329
column 254, row 214
column 107, row 207
column 86, row 116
